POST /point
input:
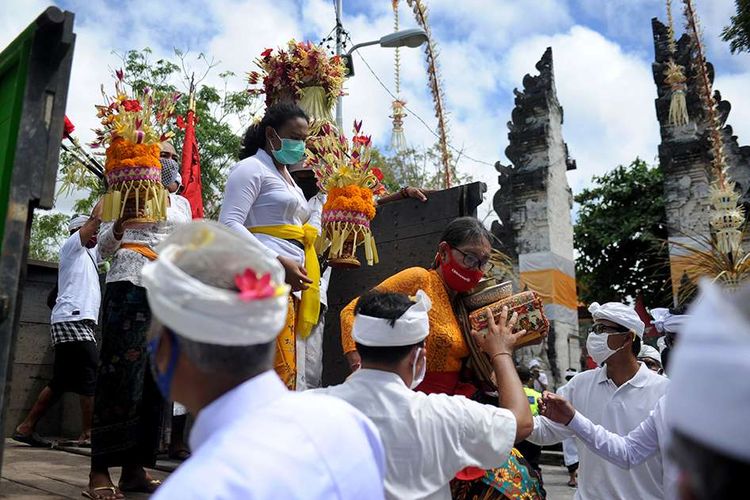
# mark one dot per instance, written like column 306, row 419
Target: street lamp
column 411, row 38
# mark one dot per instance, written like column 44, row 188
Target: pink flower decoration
column 253, row 288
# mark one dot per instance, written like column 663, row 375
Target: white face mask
column 417, row 378
column 596, row 345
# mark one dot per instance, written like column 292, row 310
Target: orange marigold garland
column 345, row 173
column 132, row 128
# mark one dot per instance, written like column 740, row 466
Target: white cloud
column 486, row 46
column 607, row 96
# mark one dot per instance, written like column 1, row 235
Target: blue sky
column 602, row 49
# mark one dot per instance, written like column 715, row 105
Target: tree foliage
column 222, row 114
column 619, row 237
column 738, row 32
column 48, row 233
column 416, row 167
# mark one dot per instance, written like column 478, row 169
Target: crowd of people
column 226, row 319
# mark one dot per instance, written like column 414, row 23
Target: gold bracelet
column 492, row 358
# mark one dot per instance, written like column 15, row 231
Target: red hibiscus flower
column 377, row 173
column 132, row 105
column 253, row 287
column 68, row 128
column 266, row 53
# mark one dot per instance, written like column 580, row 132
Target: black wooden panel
column 407, row 233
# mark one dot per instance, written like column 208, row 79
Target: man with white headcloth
column 618, row 395
column 647, row 440
column 429, row 438
column 219, row 303
column 709, row 400
column 650, row 357
column 73, row 329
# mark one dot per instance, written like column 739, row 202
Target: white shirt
column 256, row 194
column 427, row 438
column 316, row 215
column 570, row 447
column 261, row 441
column 127, row 264
column 643, row 442
column 78, row 291
column 618, row 409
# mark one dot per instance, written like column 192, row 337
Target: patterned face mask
column 170, row 171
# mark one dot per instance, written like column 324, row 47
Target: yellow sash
column 309, row 307
column 142, row 249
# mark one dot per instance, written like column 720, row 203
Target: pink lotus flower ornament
column 252, row 287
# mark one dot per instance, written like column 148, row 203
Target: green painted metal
column 14, row 62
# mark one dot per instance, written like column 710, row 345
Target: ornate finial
column 675, row 77
column 398, row 139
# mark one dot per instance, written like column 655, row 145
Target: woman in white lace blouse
column 127, row 404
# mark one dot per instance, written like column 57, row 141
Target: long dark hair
column 463, row 230
column 276, row 116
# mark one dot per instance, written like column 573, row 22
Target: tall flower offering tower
column 303, row 73
column 132, row 128
column 345, row 172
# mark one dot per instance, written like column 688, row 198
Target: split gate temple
column 534, row 205
column 684, row 153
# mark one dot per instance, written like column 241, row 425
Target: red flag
column 191, row 167
column 640, row 308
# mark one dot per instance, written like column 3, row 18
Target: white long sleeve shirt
column 617, row 409
column 261, row 441
column 648, row 439
column 256, row 194
column 427, row 438
column 570, row 446
column 127, row 264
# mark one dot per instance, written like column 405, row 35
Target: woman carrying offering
column 263, row 203
column 127, row 404
column 463, row 257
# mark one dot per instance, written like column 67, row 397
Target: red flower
column 132, row 105
column 68, row 128
column 253, row 288
column 361, row 139
column 377, row 173
column 266, row 53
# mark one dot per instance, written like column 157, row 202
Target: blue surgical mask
column 292, row 151
column 164, row 380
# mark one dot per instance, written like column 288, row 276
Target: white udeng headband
column 664, row 321
column 412, row 327
column 208, row 314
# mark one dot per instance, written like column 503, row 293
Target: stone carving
column 684, row 152
column 533, row 201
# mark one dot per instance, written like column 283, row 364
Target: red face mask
column 458, row 277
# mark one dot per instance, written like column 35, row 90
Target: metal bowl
column 489, row 293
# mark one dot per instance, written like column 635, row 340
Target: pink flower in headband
column 253, row 287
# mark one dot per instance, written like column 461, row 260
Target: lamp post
column 411, row 38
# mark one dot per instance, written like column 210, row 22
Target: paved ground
column 30, row 473
column 555, row 483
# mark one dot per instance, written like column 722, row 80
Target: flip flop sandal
column 147, row 487
column 91, row 492
column 572, row 484
column 32, row 440
column 180, row 455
